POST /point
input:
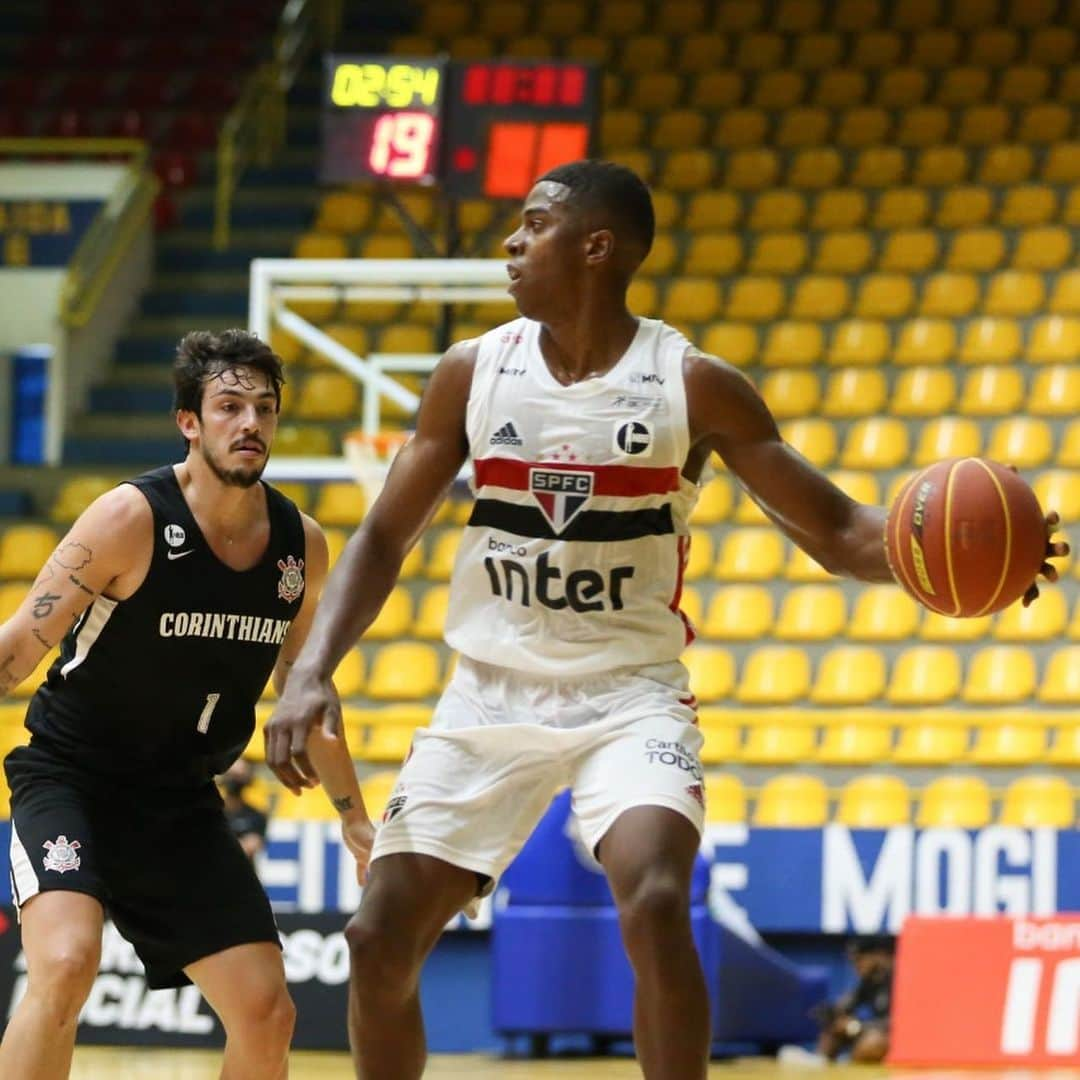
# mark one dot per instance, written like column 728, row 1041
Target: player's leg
column 61, row 939
column 245, row 986
column 407, row 902
column 648, row 856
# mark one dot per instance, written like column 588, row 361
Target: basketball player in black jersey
column 174, row 598
column 585, row 228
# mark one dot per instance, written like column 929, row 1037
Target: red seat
column 83, row 91
column 175, row 169
column 66, row 124
column 129, row 124
column 22, row 91
column 148, row 89
column 41, row 54
column 192, row 131
column 211, row 91
column 165, row 213
column 12, row 124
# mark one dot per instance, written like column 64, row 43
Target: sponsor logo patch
column 291, row 584
column 394, row 806
column 561, row 493
column 62, row 855
column 175, row 535
column 507, row 436
column 635, row 437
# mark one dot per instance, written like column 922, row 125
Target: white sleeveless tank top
column 572, row 560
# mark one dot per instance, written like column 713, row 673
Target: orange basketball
column 966, row 537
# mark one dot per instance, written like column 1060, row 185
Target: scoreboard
column 477, row 128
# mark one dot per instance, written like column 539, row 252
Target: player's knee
column 268, row 1016
column 377, row 961
column 64, row 975
column 658, row 906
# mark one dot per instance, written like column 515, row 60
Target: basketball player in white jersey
column 589, row 431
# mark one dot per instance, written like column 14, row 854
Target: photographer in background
column 246, row 821
column 858, row 1023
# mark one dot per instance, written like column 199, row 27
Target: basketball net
column 370, row 456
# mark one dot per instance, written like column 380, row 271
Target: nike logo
column 179, row 554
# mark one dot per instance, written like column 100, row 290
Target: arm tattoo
column 79, row 585
column 43, row 604
column 343, row 804
column 47, row 574
column 73, row 555
column 7, row 679
column 37, row 633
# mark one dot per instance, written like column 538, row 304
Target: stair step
column 140, row 351
column 292, row 215
column 234, row 303
column 200, row 279
column 130, row 428
column 133, row 454
column 120, row 398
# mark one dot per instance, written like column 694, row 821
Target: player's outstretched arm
column 360, row 582
column 111, row 542
column 728, row 416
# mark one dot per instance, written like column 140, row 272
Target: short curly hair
column 202, row 354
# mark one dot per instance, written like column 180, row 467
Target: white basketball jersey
column 572, row 561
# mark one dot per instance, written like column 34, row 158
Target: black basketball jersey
column 161, row 687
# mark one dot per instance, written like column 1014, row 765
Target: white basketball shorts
column 502, row 743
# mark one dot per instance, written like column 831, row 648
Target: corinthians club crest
column 291, row 584
column 61, row 855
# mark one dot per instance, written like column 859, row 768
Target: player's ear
column 188, row 423
column 599, row 246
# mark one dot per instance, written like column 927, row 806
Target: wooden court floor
column 123, row 1063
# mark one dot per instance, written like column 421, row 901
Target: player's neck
column 588, row 343
column 225, row 510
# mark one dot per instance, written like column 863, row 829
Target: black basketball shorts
column 172, row 876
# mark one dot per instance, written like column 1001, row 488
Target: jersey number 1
column 203, row 726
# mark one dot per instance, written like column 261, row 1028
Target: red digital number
column 401, row 145
column 519, row 153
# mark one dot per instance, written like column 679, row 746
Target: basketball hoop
column 370, row 455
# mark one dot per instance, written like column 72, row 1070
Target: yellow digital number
column 374, row 84
column 428, row 84
column 358, row 85
column 371, row 85
column 345, row 78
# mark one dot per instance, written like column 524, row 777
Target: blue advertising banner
column 43, row 232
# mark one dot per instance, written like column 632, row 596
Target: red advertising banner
column 992, row 991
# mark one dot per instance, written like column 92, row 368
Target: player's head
column 586, row 219
column 227, row 395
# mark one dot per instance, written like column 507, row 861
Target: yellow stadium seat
column 792, row 343
column 663, row 256
column 700, row 559
column 654, row 91
column 24, row 549
column 948, row 295
column 714, row 502
column 740, row 128
column 759, row 52
column 1046, row 123
column 621, row 128
column 853, row 392
column 751, row 169
column 849, row 675
column 963, row 208
column 930, row 742
column 376, row 791
column 678, row 129
column 1060, row 684
column 1008, row 743
column 404, row 671
column 1055, row 391
column 32, row 681
column 839, row 209
column 874, row 801
column 1039, row 801
column 875, row 443
column 815, row 167
column 387, row 743
column 1065, row 745
column 777, row 210
column 947, row 436
column 680, row 17
column 924, row 675
column 712, row 210
column 1023, row 85
column 305, row 440
column 995, row 46
column 843, row 252
column 297, row 491
column 977, row 249
column 328, row 395
column 778, row 743
column 395, row 618
column 805, row 125
column 531, row 47
column 992, row 391
column 560, row 18
column 981, row 125
column 802, row 568
column 1069, row 451
column 861, row 486
column 959, row 801
column 344, row 212
column 790, row 392
column 1022, row 441
column 839, row 88
column 778, row 90
column 739, row 613
column 854, row 742
column 431, row 616
column 691, row 300
column 883, row 613
column 792, row 800
column 314, row 245
column 922, row 392
column 76, row 494
column 1046, row 248
column 11, row 596
column 991, row 341
column 858, row 342
column 1053, row 46
column 643, row 52
column 940, row 166
column 443, row 553
column 960, row 86
column 1044, row 620
column 691, row 605
column 712, row 672
column 714, row 89
column 909, row 251
column 1059, row 489
column 820, row 297
column 774, row 675
column 1005, row 164
column 1028, row 205
column 922, row 125
column 811, row 613
column 686, row 170
column 815, row 52
column 407, row 339
column 349, row 674
column 750, row 554
column 713, row 253
column 877, row 49
column 387, row 247
column 1000, row 675
column 1065, row 299
column 942, row 629
column 755, row 299
column 902, row 87
column 642, row 297
column 725, row 798
column 340, row 502
column 896, row 484
column 778, row 253
column 814, row 438
column 863, row 125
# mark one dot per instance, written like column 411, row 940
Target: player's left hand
column 1055, row 549
column 359, row 836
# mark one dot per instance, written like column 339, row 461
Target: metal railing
column 255, row 129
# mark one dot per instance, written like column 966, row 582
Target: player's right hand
column 359, row 836
column 304, row 703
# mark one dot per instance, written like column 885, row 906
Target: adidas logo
column 507, row 436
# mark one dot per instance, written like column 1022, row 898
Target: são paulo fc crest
column 61, row 854
column 561, row 493
column 291, row 584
